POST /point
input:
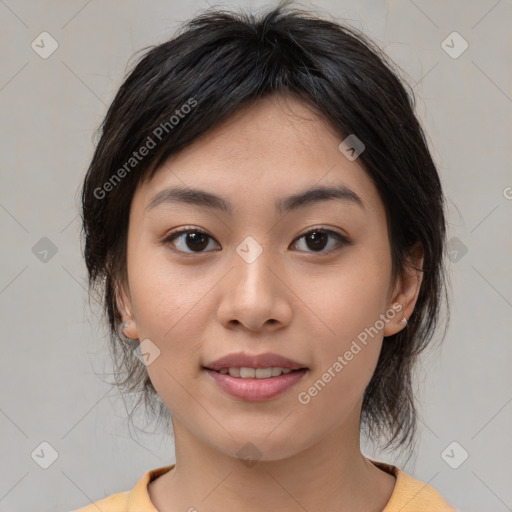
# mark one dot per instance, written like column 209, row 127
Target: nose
column 254, row 295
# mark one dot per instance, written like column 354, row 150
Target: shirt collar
column 138, row 498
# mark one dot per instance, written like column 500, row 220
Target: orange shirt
column 409, row 495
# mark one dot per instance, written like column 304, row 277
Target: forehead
column 265, row 151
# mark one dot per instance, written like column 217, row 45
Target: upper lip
column 241, row 360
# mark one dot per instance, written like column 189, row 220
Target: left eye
column 197, row 240
column 317, row 239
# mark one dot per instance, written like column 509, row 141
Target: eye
column 317, row 239
column 194, row 239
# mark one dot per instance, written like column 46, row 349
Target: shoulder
column 113, row 503
column 411, row 495
column 135, row 500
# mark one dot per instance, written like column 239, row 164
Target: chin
column 262, row 447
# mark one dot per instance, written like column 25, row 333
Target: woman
column 265, row 224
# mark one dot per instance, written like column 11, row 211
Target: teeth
column 258, row 373
column 263, row 373
column 234, row 372
column 247, row 373
column 276, row 372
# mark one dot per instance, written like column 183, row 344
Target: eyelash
column 340, row 238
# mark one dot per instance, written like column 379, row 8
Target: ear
column 124, row 303
column 406, row 292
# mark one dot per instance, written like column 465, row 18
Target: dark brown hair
column 217, row 63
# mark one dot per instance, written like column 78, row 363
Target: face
column 302, row 282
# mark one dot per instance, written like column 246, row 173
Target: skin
column 292, row 300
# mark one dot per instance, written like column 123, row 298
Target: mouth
column 255, row 377
column 255, row 384
column 255, row 373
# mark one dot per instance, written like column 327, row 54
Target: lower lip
column 256, row 390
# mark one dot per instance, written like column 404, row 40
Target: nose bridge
column 252, row 271
column 252, row 294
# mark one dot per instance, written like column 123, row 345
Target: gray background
column 54, row 364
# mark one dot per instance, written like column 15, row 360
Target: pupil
column 318, row 240
column 197, row 241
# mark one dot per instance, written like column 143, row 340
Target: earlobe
column 397, row 319
column 127, row 326
column 407, row 293
column 121, row 327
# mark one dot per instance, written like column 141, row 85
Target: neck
column 330, row 475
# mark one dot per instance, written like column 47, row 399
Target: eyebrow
column 204, row 199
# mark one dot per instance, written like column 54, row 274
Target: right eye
column 191, row 238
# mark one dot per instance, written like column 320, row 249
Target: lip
column 266, row 360
column 256, row 390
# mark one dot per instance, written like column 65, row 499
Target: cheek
column 352, row 297
column 164, row 294
column 349, row 305
column 168, row 312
